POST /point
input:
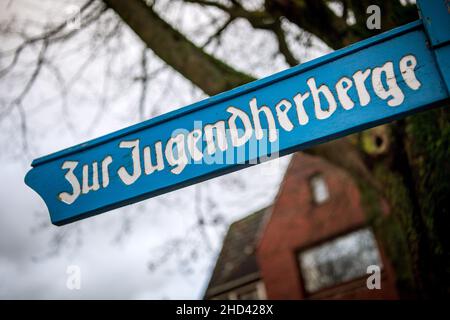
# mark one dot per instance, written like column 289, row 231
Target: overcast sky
column 115, row 249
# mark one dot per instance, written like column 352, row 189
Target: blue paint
column 436, row 20
column 434, row 14
column 47, row 175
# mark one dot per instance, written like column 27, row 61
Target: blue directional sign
column 372, row 82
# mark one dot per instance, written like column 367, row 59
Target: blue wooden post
column 372, row 82
column 435, row 15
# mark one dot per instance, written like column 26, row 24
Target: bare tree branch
column 18, row 100
column 207, row 72
column 144, row 82
column 283, row 45
column 49, row 36
column 258, row 19
column 200, row 219
column 218, row 33
column 23, row 126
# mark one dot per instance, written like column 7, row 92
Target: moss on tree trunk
column 427, row 144
column 414, row 175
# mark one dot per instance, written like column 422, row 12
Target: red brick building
column 313, row 242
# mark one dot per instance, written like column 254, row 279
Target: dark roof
column 237, row 260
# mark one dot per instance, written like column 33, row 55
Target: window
column 342, row 259
column 319, row 189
